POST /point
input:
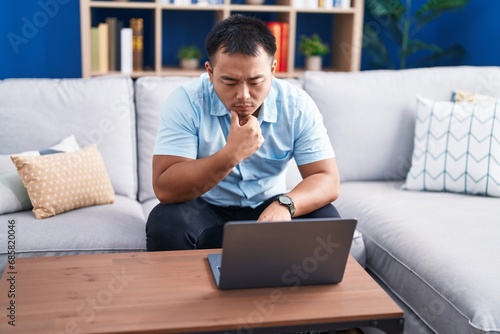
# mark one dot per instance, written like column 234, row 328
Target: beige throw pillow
column 13, row 194
column 65, row 181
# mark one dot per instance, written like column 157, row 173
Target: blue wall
column 477, row 28
column 41, row 38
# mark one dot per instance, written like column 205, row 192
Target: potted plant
column 189, row 56
column 314, row 49
column 400, row 30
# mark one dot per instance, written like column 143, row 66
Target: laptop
column 279, row 254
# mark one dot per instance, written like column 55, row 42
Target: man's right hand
column 178, row 179
column 245, row 136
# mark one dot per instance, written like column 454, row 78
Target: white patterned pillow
column 457, row 148
column 13, row 194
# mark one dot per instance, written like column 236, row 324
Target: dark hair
column 240, row 34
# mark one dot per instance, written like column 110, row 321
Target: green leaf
column 189, row 52
column 433, row 8
column 418, row 45
column 376, row 48
column 391, row 8
column 453, row 51
column 313, row 46
column 388, row 15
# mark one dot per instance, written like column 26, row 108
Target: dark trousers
column 197, row 224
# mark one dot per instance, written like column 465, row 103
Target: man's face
column 242, row 82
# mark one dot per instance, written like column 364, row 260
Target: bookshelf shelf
column 118, row 4
column 133, row 74
column 261, row 8
column 192, row 7
column 326, row 10
column 159, row 16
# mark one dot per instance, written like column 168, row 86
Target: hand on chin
column 244, row 115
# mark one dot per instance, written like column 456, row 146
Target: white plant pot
column 314, row 63
column 190, row 64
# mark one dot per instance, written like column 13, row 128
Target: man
column 225, row 140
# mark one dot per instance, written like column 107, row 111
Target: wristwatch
column 287, row 201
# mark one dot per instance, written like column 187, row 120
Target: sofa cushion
column 57, row 183
column 13, row 194
column 456, row 148
column 149, row 205
column 150, row 95
column 370, row 115
column 436, row 251
column 97, row 229
column 36, row 113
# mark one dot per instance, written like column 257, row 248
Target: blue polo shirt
column 194, row 124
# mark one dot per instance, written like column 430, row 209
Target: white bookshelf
column 346, row 32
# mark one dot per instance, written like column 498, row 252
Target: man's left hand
column 275, row 212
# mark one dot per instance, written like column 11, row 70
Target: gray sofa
column 434, row 252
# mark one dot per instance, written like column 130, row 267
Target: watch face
column 285, row 200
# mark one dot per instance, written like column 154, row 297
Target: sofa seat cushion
column 149, row 205
column 108, row 228
column 436, row 251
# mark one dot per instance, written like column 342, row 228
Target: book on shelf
column 111, row 21
column 111, row 47
column 103, row 36
column 94, row 49
column 119, row 27
column 137, row 25
column 280, row 31
column 285, row 31
column 126, row 50
column 321, row 3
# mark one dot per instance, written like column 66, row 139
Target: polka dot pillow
column 13, row 194
column 65, row 181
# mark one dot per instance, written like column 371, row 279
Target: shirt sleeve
column 178, row 131
column 311, row 141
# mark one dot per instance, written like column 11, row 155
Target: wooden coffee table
column 174, row 292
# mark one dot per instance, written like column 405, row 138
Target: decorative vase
column 314, row 63
column 190, row 64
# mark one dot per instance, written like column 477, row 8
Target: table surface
column 170, row 292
